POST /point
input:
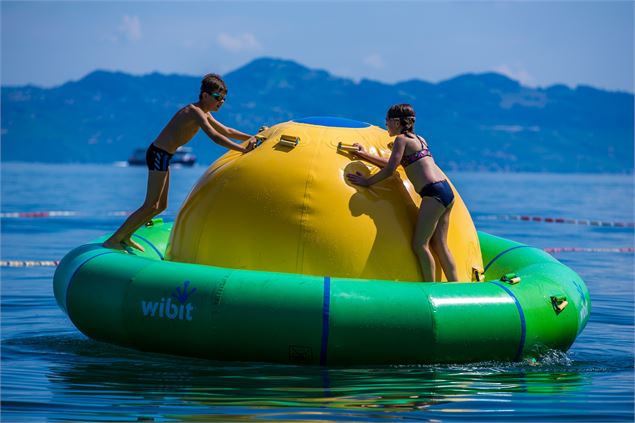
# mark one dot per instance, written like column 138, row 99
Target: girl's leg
column 439, row 244
column 157, row 182
column 429, row 213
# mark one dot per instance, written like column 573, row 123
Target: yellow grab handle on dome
column 478, row 274
column 346, row 147
column 289, row 140
column 259, row 140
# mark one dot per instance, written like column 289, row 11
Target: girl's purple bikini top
column 409, row 159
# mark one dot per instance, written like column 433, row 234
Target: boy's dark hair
column 212, row 83
column 406, row 115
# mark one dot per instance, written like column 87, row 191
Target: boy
column 179, row 131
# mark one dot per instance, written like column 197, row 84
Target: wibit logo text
column 175, row 307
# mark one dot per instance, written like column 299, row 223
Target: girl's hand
column 357, row 179
column 360, row 149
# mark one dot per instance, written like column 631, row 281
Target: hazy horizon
column 339, row 76
column 538, row 44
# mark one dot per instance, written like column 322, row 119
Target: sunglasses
column 217, row 96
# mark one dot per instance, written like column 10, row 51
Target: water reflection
column 111, row 383
column 64, row 377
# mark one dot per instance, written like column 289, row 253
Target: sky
column 539, row 43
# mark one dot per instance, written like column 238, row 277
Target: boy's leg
column 157, row 182
column 162, row 204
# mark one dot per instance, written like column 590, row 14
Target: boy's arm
column 227, row 131
column 216, row 136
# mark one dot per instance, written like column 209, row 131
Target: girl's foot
column 133, row 244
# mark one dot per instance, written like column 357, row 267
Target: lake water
column 51, row 372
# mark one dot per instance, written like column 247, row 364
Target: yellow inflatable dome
column 288, row 207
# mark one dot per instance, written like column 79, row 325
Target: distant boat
column 183, row 156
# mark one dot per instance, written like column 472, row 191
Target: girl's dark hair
column 212, row 83
column 406, row 115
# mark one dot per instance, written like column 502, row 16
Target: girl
column 412, row 152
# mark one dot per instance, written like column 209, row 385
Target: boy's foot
column 113, row 245
column 128, row 249
column 133, row 244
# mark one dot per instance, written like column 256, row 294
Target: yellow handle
column 559, row 304
column 510, row 278
column 477, row 274
column 347, row 147
column 289, row 140
column 259, row 140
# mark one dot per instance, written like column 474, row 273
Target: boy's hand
column 251, row 144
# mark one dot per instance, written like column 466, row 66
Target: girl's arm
column 386, row 171
column 227, row 131
column 364, row 155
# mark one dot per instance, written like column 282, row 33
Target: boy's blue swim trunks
column 158, row 159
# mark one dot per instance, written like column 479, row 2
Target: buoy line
column 29, row 263
column 588, row 222
column 523, row 218
column 57, row 213
column 37, row 214
column 64, row 213
column 589, row 250
column 555, row 250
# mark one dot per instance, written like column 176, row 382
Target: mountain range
column 472, row 122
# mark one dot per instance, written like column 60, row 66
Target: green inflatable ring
column 529, row 303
